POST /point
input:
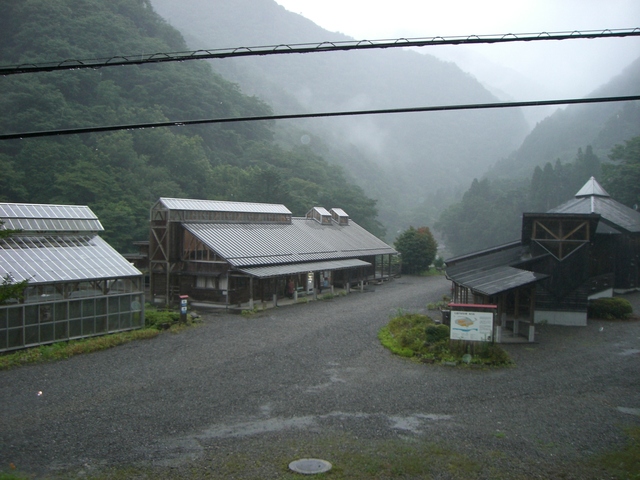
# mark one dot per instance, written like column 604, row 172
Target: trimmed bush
column 615, row 308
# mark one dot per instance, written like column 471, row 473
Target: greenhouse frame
column 77, row 285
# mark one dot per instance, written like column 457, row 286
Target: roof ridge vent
column 339, row 216
column 320, row 215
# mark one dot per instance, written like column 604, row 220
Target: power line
column 284, row 49
column 441, row 108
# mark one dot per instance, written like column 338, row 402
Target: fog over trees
column 388, row 171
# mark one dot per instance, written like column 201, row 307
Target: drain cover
column 310, row 466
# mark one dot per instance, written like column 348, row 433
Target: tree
column 9, row 288
column 418, row 249
column 622, row 179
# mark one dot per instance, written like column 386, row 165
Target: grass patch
column 417, row 336
column 625, row 463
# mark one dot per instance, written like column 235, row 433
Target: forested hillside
column 600, row 125
column 414, row 164
column 554, row 161
column 119, row 175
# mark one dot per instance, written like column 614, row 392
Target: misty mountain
column 412, row 162
column 120, row 174
column 560, row 135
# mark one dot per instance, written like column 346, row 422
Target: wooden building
column 234, row 253
column 585, row 248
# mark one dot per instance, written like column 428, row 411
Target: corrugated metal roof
column 615, row 213
column 496, row 280
column 60, row 259
column 48, row 218
column 292, row 269
column 222, row 206
column 302, row 240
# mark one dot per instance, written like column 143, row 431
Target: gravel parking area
column 303, row 373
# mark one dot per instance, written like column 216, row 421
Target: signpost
column 472, row 322
column 183, row 308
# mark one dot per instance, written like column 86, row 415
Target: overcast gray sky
column 561, row 69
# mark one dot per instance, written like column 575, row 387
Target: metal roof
column 340, row 212
column 610, row 211
column 303, row 240
column 292, row 269
column 490, row 271
column 39, row 218
column 222, row 206
column 48, row 259
column 497, row 279
column 592, row 187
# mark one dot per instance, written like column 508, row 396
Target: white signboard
column 475, row 326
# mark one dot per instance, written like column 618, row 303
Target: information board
column 473, row 326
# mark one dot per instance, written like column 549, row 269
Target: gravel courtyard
column 302, row 374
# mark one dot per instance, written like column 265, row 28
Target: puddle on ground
column 190, row 447
column 630, row 411
column 630, row 351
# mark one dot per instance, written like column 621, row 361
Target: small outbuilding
column 78, row 285
column 586, row 248
column 238, row 253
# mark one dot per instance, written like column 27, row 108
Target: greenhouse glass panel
column 14, row 315
column 88, row 309
column 3, row 318
column 125, row 320
column 61, row 312
column 16, row 338
column 101, row 306
column 62, row 330
column 88, row 326
column 75, row 309
column 45, row 313
column 3, row 339
column 113, row 322
column 75, row 328
column 101, row 324
column 31, row 315
column 32, row 335
column 46, row 333
column 114, row 304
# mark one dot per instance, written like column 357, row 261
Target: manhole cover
column 310, row 466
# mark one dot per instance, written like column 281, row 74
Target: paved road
column 307, row 369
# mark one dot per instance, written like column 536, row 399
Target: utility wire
column 441, row 108
column 283, row 49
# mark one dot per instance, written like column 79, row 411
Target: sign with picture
column 473, row 326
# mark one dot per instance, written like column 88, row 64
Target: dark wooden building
column 585, row 248
column 234, row 253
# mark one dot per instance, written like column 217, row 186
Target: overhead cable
column 440, row 108
column 284, row 49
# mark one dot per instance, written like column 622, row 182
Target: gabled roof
column 37, row 218
column 302, row 240
column 592, row 198
column 47, row 259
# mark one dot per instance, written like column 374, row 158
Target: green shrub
column 436, row 333
column 615, row 308
column 158, row 318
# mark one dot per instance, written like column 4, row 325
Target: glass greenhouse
column 78, row 285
